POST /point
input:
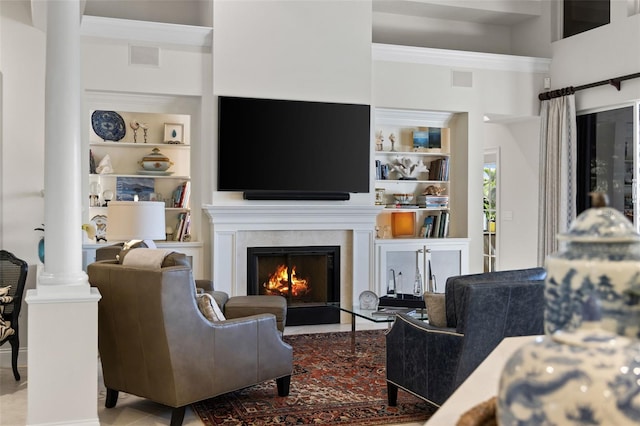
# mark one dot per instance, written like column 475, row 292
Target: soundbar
column 295, row 195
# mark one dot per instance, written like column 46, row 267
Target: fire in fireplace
column 308, row 277
column 283, row 283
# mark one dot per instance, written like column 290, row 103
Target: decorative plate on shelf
column 99, row 222
column 109, row 125
column 368, row 300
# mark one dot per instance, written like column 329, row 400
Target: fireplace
column 308, row 277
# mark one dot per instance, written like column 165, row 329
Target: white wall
column 22, row 65
column 304, row 50
column 440, row 33
column 606, row 52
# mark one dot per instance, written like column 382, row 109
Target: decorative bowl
column 403, row 198
column 155, row 161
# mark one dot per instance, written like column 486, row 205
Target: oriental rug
column 337, row 380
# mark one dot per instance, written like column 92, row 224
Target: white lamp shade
column 139, row 220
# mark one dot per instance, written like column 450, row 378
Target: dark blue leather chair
column 481, row 309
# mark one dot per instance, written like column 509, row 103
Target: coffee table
column 368, row 314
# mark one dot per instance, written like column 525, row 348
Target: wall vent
column 144, row 55
column 461, row 78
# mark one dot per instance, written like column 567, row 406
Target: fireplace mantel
column 227, row 221
column 293, row 216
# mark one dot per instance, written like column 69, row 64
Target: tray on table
column 403, row 300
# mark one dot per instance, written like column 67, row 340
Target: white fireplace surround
column 234, row 228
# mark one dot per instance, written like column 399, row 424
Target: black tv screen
column 285, row 145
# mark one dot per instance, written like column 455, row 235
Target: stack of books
column 439, row 169
column 435, row 226
column 183, row 226
column 181, row 195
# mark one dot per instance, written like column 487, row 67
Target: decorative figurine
column 145, row 127
column 379, row 140
column 392, row 138
column 433, row 190
column 135, row 125
column 104, row 166
column 407, row 170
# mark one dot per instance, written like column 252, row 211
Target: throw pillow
column 435, row 309
column 146, row 258
column 209, row 308
column 5, row 290
column 176, row 259
column 126, row 248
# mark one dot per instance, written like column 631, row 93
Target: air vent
column 144, row 55
column 461, row 79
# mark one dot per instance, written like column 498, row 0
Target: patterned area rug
column 334, row 382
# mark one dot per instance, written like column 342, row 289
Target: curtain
column 557, row 191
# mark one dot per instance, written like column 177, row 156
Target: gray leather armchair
column 481, row 309
column 155, row 343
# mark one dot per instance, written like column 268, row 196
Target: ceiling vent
column 144, row 55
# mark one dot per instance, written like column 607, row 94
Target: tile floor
column 130, row 410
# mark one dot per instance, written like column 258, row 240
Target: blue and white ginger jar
column 588, row 376
column 602, row 257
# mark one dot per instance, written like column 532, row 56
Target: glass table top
column 382, row 314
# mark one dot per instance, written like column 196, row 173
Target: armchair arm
column 423, row 359
column 206, row 285
column 251, row 349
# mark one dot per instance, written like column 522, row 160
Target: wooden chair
column 13, row 273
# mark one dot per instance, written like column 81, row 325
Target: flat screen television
column 280, row 146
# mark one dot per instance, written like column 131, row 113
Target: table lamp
column 135, row 221
column 403, row 224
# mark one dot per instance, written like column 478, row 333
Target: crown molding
column 412, row 118
column 145, row 31
column 459, row 58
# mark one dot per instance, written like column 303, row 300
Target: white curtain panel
column 557, row 192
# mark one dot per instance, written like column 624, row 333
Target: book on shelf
column 436, row 201
column 436, row 226
column 181, row 195
column 439, row 169
column 427, row 227
column 401, row 206
column 182, row 227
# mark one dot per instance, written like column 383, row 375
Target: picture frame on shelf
column 128, row 187
column 427, row 139
column 420, row 139
column 173, row 133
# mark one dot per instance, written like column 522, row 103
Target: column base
column 62, row 358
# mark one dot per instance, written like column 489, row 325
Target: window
column 606, row 158
column 584, row 15
column 490, row 208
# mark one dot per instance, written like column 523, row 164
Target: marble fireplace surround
column 234, row 228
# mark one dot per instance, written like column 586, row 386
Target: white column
column 62, row 174
column 63, row 309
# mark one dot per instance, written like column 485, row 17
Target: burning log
column 283, row 283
